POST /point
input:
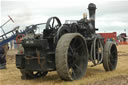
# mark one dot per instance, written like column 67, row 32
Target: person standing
column 3, row 52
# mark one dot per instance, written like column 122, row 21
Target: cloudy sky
column 111, row 15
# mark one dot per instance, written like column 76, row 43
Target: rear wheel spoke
column 73, row 73
column 71, row 49
column 74, row 43
column 78, row 68
column 79, row 46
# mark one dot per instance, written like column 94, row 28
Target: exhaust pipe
column 92, row 8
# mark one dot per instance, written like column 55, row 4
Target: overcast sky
column 111, row 15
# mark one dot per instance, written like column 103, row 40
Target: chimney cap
column 91, row 6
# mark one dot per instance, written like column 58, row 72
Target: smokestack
column 92, row 8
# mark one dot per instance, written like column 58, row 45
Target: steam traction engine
column 65, row 48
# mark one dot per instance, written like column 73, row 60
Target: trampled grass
column 12, row 76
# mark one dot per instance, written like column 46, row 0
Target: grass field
column 94, row 76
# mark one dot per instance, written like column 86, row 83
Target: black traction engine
column 65, row 48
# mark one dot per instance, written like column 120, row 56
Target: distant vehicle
column 109, row 36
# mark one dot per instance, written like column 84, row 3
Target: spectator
column 3, row 52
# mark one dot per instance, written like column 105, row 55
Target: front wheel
column 110, row 56
column 71, row 56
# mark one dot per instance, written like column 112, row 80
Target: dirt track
column 94, row 76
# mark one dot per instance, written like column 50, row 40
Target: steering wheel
column 53, row 23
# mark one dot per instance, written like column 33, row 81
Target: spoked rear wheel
column 110, row 56
column 32, row 74
column 71, row 56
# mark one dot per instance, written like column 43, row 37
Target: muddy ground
column 94, row 76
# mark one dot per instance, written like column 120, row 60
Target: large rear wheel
column 110, row 56
column 71, row 56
